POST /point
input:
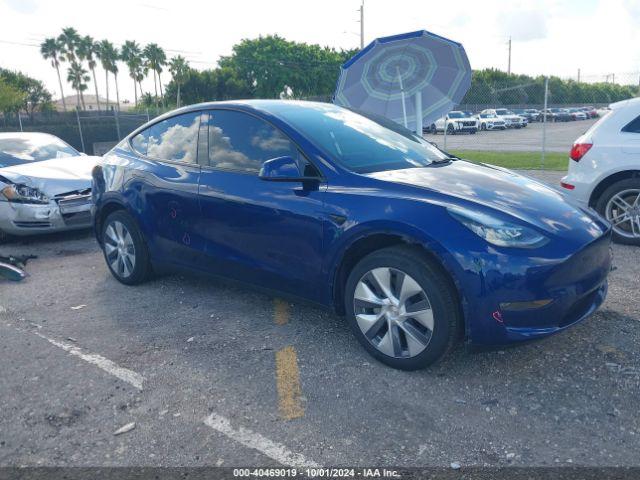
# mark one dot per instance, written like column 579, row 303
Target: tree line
column 264, row 67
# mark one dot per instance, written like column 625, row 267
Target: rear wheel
column 620, row 205
column 402, row 308
column 125, row 250
column 450, row 130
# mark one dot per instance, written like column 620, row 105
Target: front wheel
column 402, row 308
column 125, row 250
column 620, row 205
column 450, row 130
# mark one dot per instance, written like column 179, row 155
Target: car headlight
column 23, row 194
column 496, row 231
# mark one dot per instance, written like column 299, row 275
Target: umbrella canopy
column 400, row 75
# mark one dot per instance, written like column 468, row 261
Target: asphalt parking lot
column 216, row 374
column 560, row 137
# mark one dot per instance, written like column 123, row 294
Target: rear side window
column 633, row 126
column 239, row 141
column 175, row 139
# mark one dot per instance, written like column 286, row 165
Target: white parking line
column 99, row 361
column 253, row 440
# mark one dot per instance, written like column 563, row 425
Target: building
column 90, row 103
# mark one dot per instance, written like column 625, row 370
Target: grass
column 516, row 160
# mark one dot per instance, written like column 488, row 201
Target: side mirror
column 283, row 169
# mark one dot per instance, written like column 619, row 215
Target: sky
column 554, row 37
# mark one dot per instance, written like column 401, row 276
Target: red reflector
column 568, row 186
column 579, row 150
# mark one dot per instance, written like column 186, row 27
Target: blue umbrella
column 403, row 74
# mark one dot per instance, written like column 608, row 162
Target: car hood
column 501, row 190
column 53, row 177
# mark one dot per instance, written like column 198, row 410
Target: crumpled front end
column 67, row 211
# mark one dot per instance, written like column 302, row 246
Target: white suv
column 456, row 122
column 604, row 170
column 511, row 120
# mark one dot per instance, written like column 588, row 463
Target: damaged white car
column 41, row 196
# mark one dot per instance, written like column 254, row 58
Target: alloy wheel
column 623, row 211
column 393, row 312
column 119, row 249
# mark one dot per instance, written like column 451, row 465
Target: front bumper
column 69, row 212
column 556, row 293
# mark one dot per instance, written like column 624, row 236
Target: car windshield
column 356, row 142
column 456, row 115
column 32, row 148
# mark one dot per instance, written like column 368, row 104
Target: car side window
column 175, row 138
column 239, row 141
column 633, row 126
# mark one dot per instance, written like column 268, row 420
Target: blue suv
column 417, row 248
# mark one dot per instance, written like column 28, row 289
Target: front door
column 269, row 233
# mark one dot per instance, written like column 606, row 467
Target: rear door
column 170, row 185
column 269, row 233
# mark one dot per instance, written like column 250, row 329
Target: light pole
column 509, row 64
column 362, row 25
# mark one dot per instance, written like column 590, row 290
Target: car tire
column 437, row 300
column 609, row 207
column 473, row 132
column 4, row 237
column 433, row 129
column 125, row 249
column 450, row 130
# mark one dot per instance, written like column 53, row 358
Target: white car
column 511, row 120
column 604, row 170
column 454, row 122
column 45, row 185
column 490, row 121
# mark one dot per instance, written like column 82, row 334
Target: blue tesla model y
column 417, row 248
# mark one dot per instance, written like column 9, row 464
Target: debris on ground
column 78, row 307
column 126, row 428
column 455, row 465
column 13, row 267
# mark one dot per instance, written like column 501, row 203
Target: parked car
column 511, row 120
column 454, row 122
column 490, row 121
column 46, row 196
column 604, row 169
column 557, row 115
column 531, row 114
column 415, row 247
column 590, row 111
column 17, row 148
column 577, row 114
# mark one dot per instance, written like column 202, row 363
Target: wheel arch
column 608, row 181
column 373, row 241
column 108, row 206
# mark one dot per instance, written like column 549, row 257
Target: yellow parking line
column 280, row 311
column 288, row 383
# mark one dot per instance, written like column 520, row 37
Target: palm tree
column 131, row 54
column 156, row 59
column 179, row 68
column 141, row 72
column 88, row 50
column 108, row 56
column 51, row 49
column 78, row 77
column 69, row 40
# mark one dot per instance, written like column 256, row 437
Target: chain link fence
column 527, row 124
